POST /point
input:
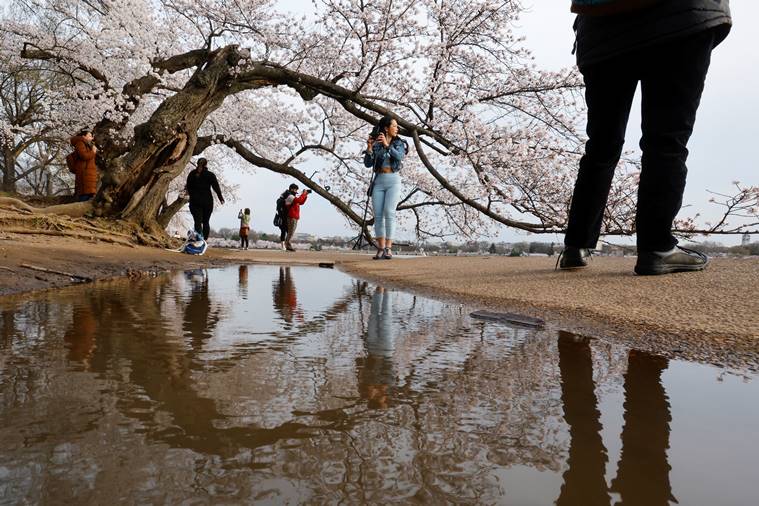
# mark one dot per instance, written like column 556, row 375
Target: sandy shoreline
column 711, row 315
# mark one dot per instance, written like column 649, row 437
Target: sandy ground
column 714, row 312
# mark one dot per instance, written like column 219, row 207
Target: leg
column 378, row 203
column 197, row 217
column 207, row 211
column 282, row 234
column 292, row 224
column 392, row 195
column 671, row 84
column 609, row 91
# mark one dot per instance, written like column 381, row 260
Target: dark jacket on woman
column 199, row 188
column 85, row 169
column 609, row 28
column 391, row 156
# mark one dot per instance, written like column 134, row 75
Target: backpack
column 281, row 211
column 71, row 161
column 195, row 244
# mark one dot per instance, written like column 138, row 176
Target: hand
column 369, row 143
column 381, row 138
column 94, row 149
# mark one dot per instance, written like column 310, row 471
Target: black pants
column 672, row 78
column 283, row 232
column 201, row 215
column 244, row 242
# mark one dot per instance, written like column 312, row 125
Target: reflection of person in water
column 584, row 479
column 643, row 470
column 80, row 335
column 242, row 281
column 199, row 318
column 285, row 296
column 375, row 371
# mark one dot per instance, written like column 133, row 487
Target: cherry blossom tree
column 494, row 140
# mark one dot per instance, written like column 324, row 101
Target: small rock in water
column 327, row 265
column 508, row 318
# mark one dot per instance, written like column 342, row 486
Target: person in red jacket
column 84, row 168
column 293, row 203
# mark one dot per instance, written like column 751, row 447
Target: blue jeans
column 385, row 196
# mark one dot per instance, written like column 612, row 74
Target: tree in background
column 494, row 140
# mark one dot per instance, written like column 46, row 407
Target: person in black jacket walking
column 665, row 45
column 199, row 183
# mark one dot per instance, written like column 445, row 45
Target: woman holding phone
column 384, row 154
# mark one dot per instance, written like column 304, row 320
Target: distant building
column 746, row 239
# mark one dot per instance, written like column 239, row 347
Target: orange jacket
column 84, row 167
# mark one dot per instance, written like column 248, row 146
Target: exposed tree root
column 69, row 220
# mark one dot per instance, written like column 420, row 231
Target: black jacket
column 601, row 38
column 199, row 188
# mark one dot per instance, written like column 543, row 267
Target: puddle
column 304, row 385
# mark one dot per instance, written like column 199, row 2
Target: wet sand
column 676, row 313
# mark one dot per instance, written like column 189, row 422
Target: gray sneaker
column 682, row 260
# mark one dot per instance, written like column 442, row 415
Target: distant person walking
column 666, row 46
column 200, row 181
column 384, row 154
column 82, row 163
column 293, row 203
column 244, row 217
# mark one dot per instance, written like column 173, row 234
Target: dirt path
column 712, row 312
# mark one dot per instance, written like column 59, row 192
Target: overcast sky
column 721, row 147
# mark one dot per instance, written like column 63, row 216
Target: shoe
column 283, row 246
column 682, row 260
column 289, row 248
column 379, row 255
column 573, row 258
column 387, row 254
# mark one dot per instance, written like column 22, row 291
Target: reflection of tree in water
column 453, row 399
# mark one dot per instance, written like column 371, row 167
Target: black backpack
column 281, row 210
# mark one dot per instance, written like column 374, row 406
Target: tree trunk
column 9, row 171
column 169, row 211
column 135, row 185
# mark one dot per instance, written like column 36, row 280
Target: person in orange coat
column 85, row 169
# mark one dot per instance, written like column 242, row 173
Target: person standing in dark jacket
column 665, row 45
column 199, row 184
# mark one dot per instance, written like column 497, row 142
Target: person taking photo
column 384, row 154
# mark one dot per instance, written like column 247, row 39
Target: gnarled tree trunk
column 135, row 185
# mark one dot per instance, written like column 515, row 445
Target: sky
column 721, row 148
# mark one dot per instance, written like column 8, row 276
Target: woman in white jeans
column 384, row 154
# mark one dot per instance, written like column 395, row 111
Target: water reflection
column 643, row 470
column 375, row 370
column 362, row 394
column 285, row 297
column 242, row 281
column 584, row 479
